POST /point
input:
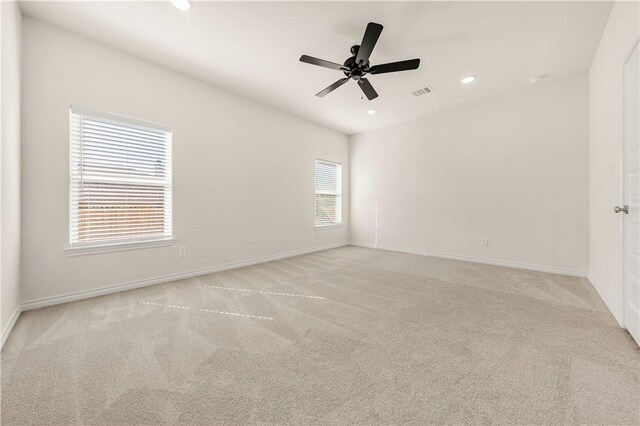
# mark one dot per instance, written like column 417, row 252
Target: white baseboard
column 9, row 326
column 494, row 262
column 79, row 295
column 615, row 312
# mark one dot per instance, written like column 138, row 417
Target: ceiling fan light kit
column 357, row 66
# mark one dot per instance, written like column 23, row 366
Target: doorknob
column 619, row 209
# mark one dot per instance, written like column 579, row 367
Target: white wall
column 243, row 173
column 513, row 169
column 605, row 144
column 11, row 34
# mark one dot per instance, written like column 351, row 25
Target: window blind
column 120, row 180
column 328, row 193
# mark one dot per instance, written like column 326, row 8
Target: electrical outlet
column 182, row 251
column 484, row 241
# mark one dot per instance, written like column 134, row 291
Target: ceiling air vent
column 423, row 91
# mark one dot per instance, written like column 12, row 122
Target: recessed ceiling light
column 182, row 4
column 468, row 79
column 371, row 111
column 537, row 78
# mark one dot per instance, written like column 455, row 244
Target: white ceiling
column 253, row 48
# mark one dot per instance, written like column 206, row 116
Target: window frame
column 78, row 248
column 315, row 193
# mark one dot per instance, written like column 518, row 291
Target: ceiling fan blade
column 367, row 88
column 369, row 41
column 320, row 62
column 411, row 64
column 333, row 87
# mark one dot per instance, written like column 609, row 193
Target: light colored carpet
column 386, row 338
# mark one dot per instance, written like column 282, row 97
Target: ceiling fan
column 357, row 66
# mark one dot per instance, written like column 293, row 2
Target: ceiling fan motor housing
column 355, row 70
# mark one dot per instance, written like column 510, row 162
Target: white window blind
column 328, row 193
column 120, row 180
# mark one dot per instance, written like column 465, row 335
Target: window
column 328, row 193
column 120, row 180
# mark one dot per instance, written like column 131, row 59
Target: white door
column 631, row 194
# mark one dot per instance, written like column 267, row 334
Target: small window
column 328, row 193
column 120, row 180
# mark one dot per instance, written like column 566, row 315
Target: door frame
column 623, row 242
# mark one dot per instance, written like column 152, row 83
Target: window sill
column 106, row 248
column 332, row 225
